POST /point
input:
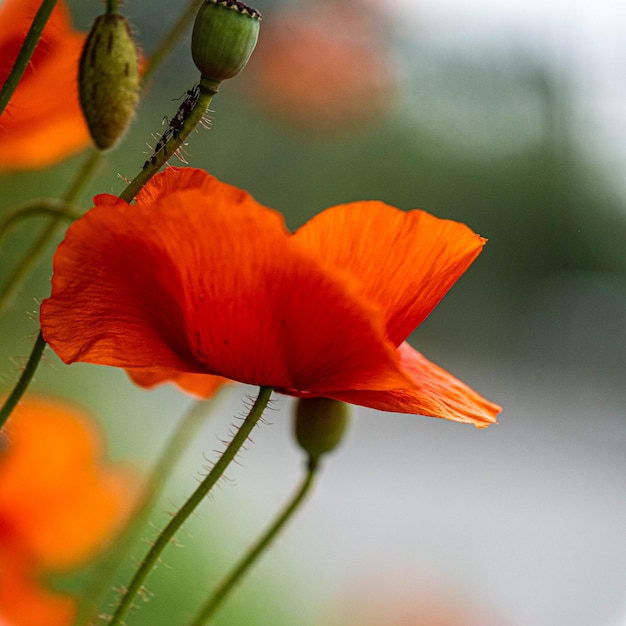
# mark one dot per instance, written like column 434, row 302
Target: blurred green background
column 488, row 120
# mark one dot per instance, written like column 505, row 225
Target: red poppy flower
column 58, row 506
column 198, row 278
column 43, row 122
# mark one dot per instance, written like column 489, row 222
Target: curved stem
column 154, row 164
column 94, row 158
column 190, row 505
column 84, row 174
column 168, row 42
column 27, row 262
column 247, row 562
column 184, row 433
column 171, row 39
column 92, row 161
column 38, row 246
column 26, row 52
column 54, row 208
column 24, row 381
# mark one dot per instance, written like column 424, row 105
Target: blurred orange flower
column 43, row 122
column 324, row 66
column 58, row 506
column 196, row 277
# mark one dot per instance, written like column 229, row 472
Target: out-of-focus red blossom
column 43, row 123
column 196, row 277
column 59, row 505
column 324, row 66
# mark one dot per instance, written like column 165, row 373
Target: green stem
column 23, row 382
column 91, row 163
column 112, row 7
column 54, row 208
column 26, row 52
column 205, row 95
column 154, row 164
column 184, row 433
column 246, row 563
column 84, row 174
column 190, row 505
column 171, row 39
column 168, row 42
column 39, row 245
column 28, row 260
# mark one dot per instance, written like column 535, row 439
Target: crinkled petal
column 177, row 178
column 436, row 393
column 60, row 502
column 200, row 385
column 206, row 280
column 405, row 262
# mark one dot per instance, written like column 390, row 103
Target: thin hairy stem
column 150, row 560
column 83, row 176
column 184, row 433
column 173, row 144
column 164, row 48
column 26, row 52
column 166, row 45
column 22, row 384
column 257, row 550
column 31, row 256
column 21, row 270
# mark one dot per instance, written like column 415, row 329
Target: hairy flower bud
column 108, row 79
column 319, row 425
column 224, row 35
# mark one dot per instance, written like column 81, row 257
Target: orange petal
column 43, row 122
column 405, row 262
column 206, row 280
column 60, row 503
column 200, row 385
column 436, row 394
column 23, row 601
column 188, row 178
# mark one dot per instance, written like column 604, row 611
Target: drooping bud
column 108, row 79
column 224, row 35
column 319, row 425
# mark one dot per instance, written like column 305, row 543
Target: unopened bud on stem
column 108, row 79
column 319, row 425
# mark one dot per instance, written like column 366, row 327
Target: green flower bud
column 108, row 79
column 319, row 425
column 224, row 35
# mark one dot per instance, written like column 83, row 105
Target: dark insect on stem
column 177, row 123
